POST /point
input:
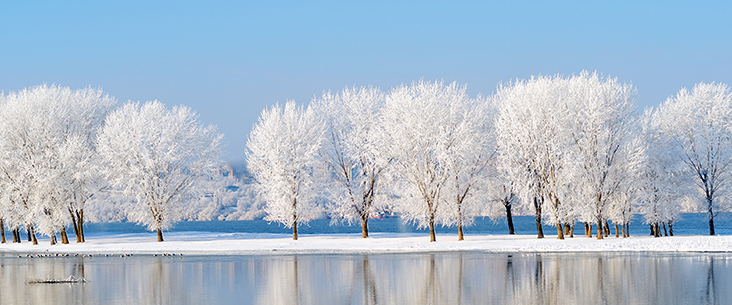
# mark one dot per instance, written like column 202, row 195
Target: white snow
column 206, row 243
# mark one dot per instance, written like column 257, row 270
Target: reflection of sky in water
column 441, row 278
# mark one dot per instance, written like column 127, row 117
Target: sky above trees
column 229, row 60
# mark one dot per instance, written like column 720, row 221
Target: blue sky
column 229, row 60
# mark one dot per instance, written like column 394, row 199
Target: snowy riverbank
column 203, row 243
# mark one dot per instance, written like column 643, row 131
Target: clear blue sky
column 229, row 60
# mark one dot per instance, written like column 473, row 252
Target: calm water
column 439, row 278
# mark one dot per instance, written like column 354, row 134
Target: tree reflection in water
column 432, row 278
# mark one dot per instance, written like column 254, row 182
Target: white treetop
column 423, row 123
column 156, row 154
column 466, row 162
column 698, row 123
column 354, row 152
column 282, row 151
column 48, row 146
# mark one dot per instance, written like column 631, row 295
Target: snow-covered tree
column 156, row 154
column 532, row 142
column 423, row 123
column 354, row 152
column 48, row 155
column 282, row 155
column 698, row 123
column 602, row 126
column 466, row 162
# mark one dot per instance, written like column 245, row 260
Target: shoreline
column 212, row 243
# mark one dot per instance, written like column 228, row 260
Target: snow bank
column 205, row 243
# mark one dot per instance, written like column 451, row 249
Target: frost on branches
column 282, row 155
column 354, row 153
column 426, row 123
column 156, row 154
column 48, row 162
column 698, row 124
column 564, row 141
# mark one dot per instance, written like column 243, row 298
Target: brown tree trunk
column 432, row 231
column 571, row 232
column 653, row 232
column 364, row 228
column 28, row 231
column 2, row 232
column 80, row 218
column 294, row 230
column 600, row 231
column 64, row 237
column 160, row 235
column 622, row 229
column 656, row 230
column 587, row 229
column 617, row 232
column 539, row 229
column 607, row 228
column 627, row 229
column 567, row 228
column 53, row 239
column 16, row 235
column 560, row 230
column 671, row 227
column 76, row 225
column 460, row 233
column 33, row 234
column 509, row 218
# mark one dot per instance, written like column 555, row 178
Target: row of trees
column 59, row 148
column 569, row 149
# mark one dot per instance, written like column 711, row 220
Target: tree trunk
column 2, row 232
column 160, row 235
column 653, row 233
column 539, row 229
column 76, row 225
column 587, row 229
column 33, row 234
column 600, row 231
column 711, row 217
column 28, row 231
column 64, row 237
column 432, row 231
column 16, row 235
column 460, row 233
column 509, row 218
column 656, row 230
column 671, row 227
column 560, row 230
column 571, row 232
column 567, row 228
column 53, row 239
column 364, row 228
column 80, row 218
column 627, row 229
column 665, row 232
column 617, row 234
column 294, row 230
column 607, row 228
column 622, row 229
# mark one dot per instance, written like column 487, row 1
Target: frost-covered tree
column 48, row 159
column 282, row 155
column 602, row 126
column 156, row 154
column 466, row 161
column 354, row 152
column 532, row 142
column 423, row 123
column 698, row 123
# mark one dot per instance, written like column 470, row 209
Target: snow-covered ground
column 204, row 243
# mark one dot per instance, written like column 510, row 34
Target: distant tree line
column 568, row 149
